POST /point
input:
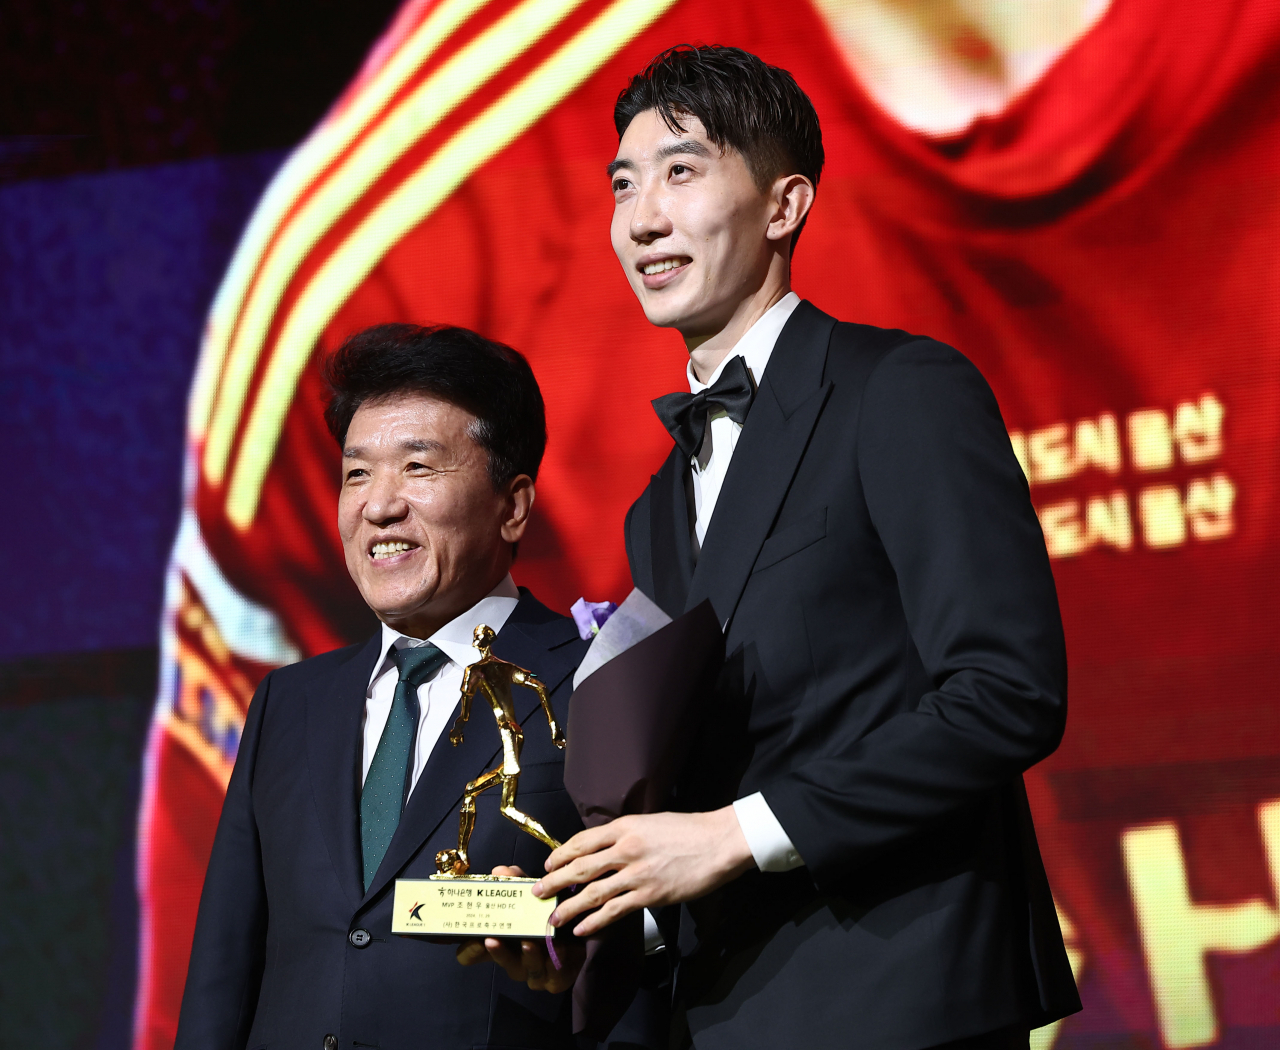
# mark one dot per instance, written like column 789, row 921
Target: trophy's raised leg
column 455, row 861
column 508, row 809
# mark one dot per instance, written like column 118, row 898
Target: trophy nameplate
column 453, row 902
column 470, row 906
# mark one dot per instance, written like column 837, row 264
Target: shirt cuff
column 653, row 942
column 770, row 845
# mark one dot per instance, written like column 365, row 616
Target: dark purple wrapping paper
column 631, row 723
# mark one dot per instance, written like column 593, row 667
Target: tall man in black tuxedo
column 855, row 860
column 345, row 779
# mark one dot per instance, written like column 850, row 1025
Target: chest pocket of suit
column 540, row 776
column 792, row 539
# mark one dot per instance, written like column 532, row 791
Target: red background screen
column 1084, row 198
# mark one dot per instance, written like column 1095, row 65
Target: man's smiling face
column 690, row 225
column 425, row 532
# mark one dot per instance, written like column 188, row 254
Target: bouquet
column 638, row 699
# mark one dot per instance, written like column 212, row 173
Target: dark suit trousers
column 1015, row 1038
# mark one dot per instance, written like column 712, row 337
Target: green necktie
column 387, row 783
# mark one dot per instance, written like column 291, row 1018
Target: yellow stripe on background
column 320, row 148
column 415, row 199
column 462, row 75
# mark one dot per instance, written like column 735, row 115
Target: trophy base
column 467, row 906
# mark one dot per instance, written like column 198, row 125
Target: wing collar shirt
column 438, row 695
column 770, row 845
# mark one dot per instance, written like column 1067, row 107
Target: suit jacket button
column 359, row 939
column 330, row 1042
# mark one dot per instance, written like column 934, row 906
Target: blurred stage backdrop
column 1083, row 196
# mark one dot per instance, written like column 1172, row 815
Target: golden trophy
column 453, row 902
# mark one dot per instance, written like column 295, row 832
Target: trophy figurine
column 453, row 902
column 494, row 678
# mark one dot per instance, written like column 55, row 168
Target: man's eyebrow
column 684, row 147
column 413, row 445
column 423, row 445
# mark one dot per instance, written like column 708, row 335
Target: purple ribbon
column 551, row 930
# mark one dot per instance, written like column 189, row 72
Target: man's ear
column 792, row 198
column 520, row 495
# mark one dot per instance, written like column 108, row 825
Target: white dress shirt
column 771, row 846
column 712, row 461
column 438, row 695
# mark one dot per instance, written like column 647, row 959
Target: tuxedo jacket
column 276, row 960
column 895, row 661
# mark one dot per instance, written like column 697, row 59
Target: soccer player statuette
column 453, row 903
column 493, row 679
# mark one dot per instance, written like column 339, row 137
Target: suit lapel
column 333, row 732
column 533, row 638
column 672, row 548
column 768, row 452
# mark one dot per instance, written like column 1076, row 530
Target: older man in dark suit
column 345, row 780
column 855, row 862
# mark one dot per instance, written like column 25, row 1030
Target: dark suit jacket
column 895, row 661
column 272, row 965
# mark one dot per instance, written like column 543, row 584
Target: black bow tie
column 685, row 415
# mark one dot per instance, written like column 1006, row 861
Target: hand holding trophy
column 454, row 902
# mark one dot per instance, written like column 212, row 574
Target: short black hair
column 742, row 102
column 490, row 380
